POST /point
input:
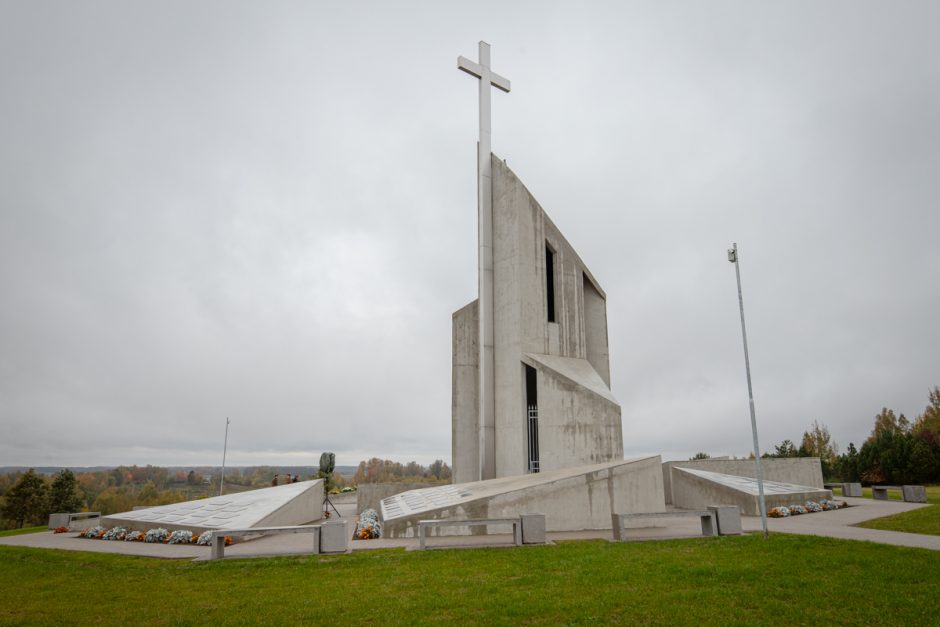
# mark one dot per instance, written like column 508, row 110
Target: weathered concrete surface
column 579, row 423
column 291, row 504
column 693, row 488
column 728, row 519
column 571, row 498
column 579, row 419
column 465, row 395
column 797, row 470
column 370, row 495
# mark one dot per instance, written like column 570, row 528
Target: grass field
column 745, row 579
column 19, row 532
column 923, row 520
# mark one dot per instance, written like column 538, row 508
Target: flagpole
column 224, row 451
column 733, row 258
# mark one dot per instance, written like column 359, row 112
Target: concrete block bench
column 910, row 493
column 709, row 528
column 914, row 493
column 424, row 525
column 65, row 519
column 852, row 489
column 218, row 537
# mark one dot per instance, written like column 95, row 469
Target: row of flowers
column 158, row 535
column 824, row 505
column 368, row 526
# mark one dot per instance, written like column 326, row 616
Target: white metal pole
column 224, row 451
column 733, row 258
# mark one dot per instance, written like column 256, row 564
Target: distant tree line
column 27, row 498
column 896, row 452
column 378, row 470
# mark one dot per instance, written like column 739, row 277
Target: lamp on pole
column 224, row 450
column 733, row 258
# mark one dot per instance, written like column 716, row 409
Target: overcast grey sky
column 267, row 211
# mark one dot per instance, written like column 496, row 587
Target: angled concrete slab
column 290, row 504
column 693, row 488
column 571, row 498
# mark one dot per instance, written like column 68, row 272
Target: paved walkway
column 837, row 524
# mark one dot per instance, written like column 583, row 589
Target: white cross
column 487, row 417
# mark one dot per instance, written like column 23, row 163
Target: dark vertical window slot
column 532, row 418
column 550, row 282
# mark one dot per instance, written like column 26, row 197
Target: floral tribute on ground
column 809, row 507
column 157, row 535
column 368, row 526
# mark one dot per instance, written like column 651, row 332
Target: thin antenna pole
column 733, row 258
column 224, row 451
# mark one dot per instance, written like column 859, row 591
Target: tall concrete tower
column 553, row 404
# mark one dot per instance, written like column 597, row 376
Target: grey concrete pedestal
column 533, row 528
column 852, row 489
column 728, row 518
column 334, row 537
column 914, row 493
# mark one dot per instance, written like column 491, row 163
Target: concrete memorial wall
column 805, row 471
column 571, row 498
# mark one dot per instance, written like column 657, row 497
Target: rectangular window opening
column 550, row 282
column 532, row 418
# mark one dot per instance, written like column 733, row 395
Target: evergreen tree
column 785, row 449
column 27, row 500
column 63, row 495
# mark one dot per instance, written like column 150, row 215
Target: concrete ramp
column 290, row 504
column 696, row 489
column 572, row 499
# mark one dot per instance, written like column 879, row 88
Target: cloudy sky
column 267, row 212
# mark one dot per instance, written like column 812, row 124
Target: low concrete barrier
column 65, row 519
column 218, row 537
column 424, row 525
column 709, row 528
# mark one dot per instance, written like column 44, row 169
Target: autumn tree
column 817, row 442
column 887, row 422
column 928, row 423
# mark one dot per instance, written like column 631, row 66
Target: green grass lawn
column 19, row 532
column 745, row 579
column 923, row 520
